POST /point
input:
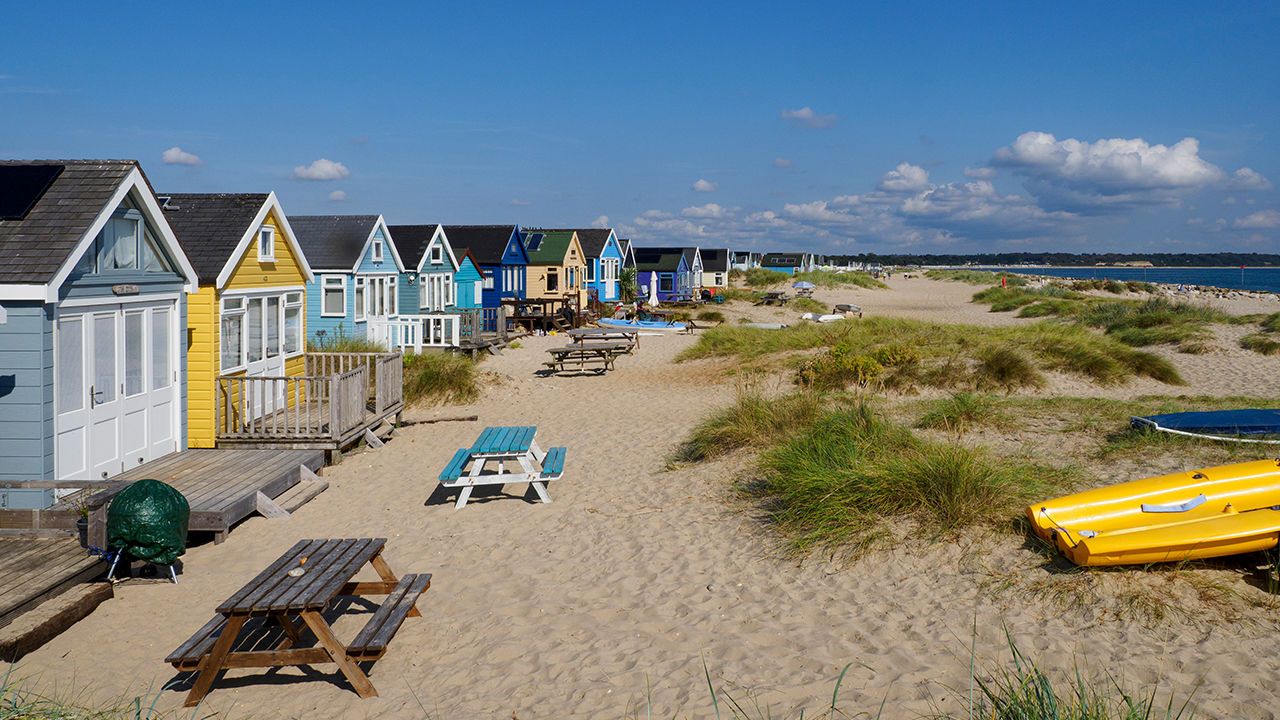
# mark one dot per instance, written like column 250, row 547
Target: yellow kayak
column 1224, row 510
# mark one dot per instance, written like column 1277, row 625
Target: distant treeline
column 1070, row 259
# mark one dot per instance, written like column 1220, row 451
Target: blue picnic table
column 498, row 447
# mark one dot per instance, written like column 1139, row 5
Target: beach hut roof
column 592, row 240
column 412, row 241
column 215, row 228
column 548, row 247
column 46, row 207
column 333, row 242
column 781, row 259
column 715, row 259
column 658, row 259
column 487, row 243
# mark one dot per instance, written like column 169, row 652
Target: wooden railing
column 483, row 323
column 340, row 393
column 414, row 332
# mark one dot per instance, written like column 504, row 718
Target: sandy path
column 636, row 575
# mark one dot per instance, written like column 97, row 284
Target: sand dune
column 635, row 576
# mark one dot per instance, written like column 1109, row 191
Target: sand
column 613, row 597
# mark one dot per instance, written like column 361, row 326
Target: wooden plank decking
column 34, row 569
column 221, row 485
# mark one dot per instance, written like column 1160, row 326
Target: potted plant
column 82, row 521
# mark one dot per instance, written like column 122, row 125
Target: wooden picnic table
column 502, row 446
column 298, row 587
column 595, row 336
column 773, row 297
column 596, row 356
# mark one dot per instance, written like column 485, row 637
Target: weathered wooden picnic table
column 501, row 446
column 598, row 334
column 773, row 297
column 298, row 587
column 597, row 356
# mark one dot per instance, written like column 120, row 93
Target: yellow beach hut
column 248, row 316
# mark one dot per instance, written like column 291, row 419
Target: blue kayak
column 639, row 324
column 1252, row 422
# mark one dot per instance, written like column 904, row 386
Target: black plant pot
column 82, row 529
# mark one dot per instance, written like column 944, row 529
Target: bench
column 453, row 471
column 553, row 463
column 371, row 642
column 187, row 656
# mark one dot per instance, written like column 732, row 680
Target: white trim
column 343, row 278
column 264, row 290
column 134, row 180
column 252, row 232
column 266, row 230
column 387, row 243
column 440, row 235
column 126, row 300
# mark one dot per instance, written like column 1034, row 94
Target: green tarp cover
column 148, row 521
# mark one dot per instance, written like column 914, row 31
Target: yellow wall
column 203, row 322
column 536, row 276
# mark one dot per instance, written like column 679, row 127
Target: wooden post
column 335, row 399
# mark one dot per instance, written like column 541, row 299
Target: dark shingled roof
column 592, row 240
column 412, row 241
column 209, row 226
column 332, row 242
column 33, row 248
column 715, row 259
column 658, row 259
column 487, row 243
column 781, row 259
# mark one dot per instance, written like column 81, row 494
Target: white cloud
column 518, row 202
column 905, row 178
column 338, row 195
column 600, row 222
column 781, row 162
column 177, row 156
column 322, row 169
column 664, row 224
column 704, row 186
column 1261, row 220
column 980, row 173
column 710, row 210
column 806, row 117
column 1249, row 179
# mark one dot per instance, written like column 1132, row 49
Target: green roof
column 550, row 249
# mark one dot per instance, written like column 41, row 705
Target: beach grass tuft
column 711, row 315
column 752, row 420
column 439, row 378
column 976, row 277
column 759, row 277
column 961, row 412
column 830, row 279
column 806, row 305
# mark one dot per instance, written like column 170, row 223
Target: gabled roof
column 52, row 209
column 548, row 247
column 333, row 242
column 216, row 228
column 658, row 259
column 715, row 259
column 487, row 243
column 691, row 254
column 412, row 242
column 592, row 240
column 782, row 259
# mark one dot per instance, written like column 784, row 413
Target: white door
column 263, row 354
column 116, row 388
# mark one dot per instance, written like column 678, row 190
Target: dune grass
column 439, row 378
column 1262, row 343
column 759, row 277
column 806, row 305
column 711, row 315
column 732, row 293
column 949, row 355
column 976, row 277
column 343, row 343
column 830, row 279
column 753, row 420
column 961, row 412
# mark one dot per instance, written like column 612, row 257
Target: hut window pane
column 133, row 354
column 254, row 325
column 266, row 244
column 104, row 358
column 160, row 370
column 292, row 327
column 333, row 295
column 553, row 280
column 118, row 245
column 70, row 364
column 360, row 299
column 232, row 337
column 273, row 326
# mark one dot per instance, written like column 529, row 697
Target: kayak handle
column 1191, row 504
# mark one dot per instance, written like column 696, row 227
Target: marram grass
column 439, row 378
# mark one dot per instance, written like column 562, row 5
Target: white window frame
column 437, row 254
column 378, row 250
column 268, row 232
column 487, row 280
column 294, row 300
column 325, row 289
column 233, row 306
column 361, row 296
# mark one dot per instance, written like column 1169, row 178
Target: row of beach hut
column 135, row 323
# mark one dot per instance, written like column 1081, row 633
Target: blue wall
column 466, row 279
column 611, row 250
column 516, row 259
column 344, row 326
column 784, row 269
column 26, row 392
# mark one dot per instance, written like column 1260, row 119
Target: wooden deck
column 34, row 569
column 221, row 485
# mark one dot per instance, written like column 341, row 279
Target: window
column 360, row 299
column 253, row 334
column 553, row 280
column 377, row 249
column 232, row 333
column 333, row 295
column 591, row 270
column 437, row 254
column 70, row 364
column 161, row 373
column 292, row 323
column 719, row 279
column 423, row 291
column 488, row 280
column 664, row 283
column 273, row 326
column 134, row 356
column 118, row 244
column 479, row 298
column 266, row 244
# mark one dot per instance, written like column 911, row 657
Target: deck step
column 300, row 494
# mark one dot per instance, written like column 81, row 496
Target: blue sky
column 834, row 127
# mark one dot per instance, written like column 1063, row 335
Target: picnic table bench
column 582, row 356
column 773, row 297
column 598, row 334
column 291, row 595
column 501, row 446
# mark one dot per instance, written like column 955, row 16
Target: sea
column 1257, row 279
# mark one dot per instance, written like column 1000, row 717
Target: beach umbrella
column 803, row 285
column 653, row 289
